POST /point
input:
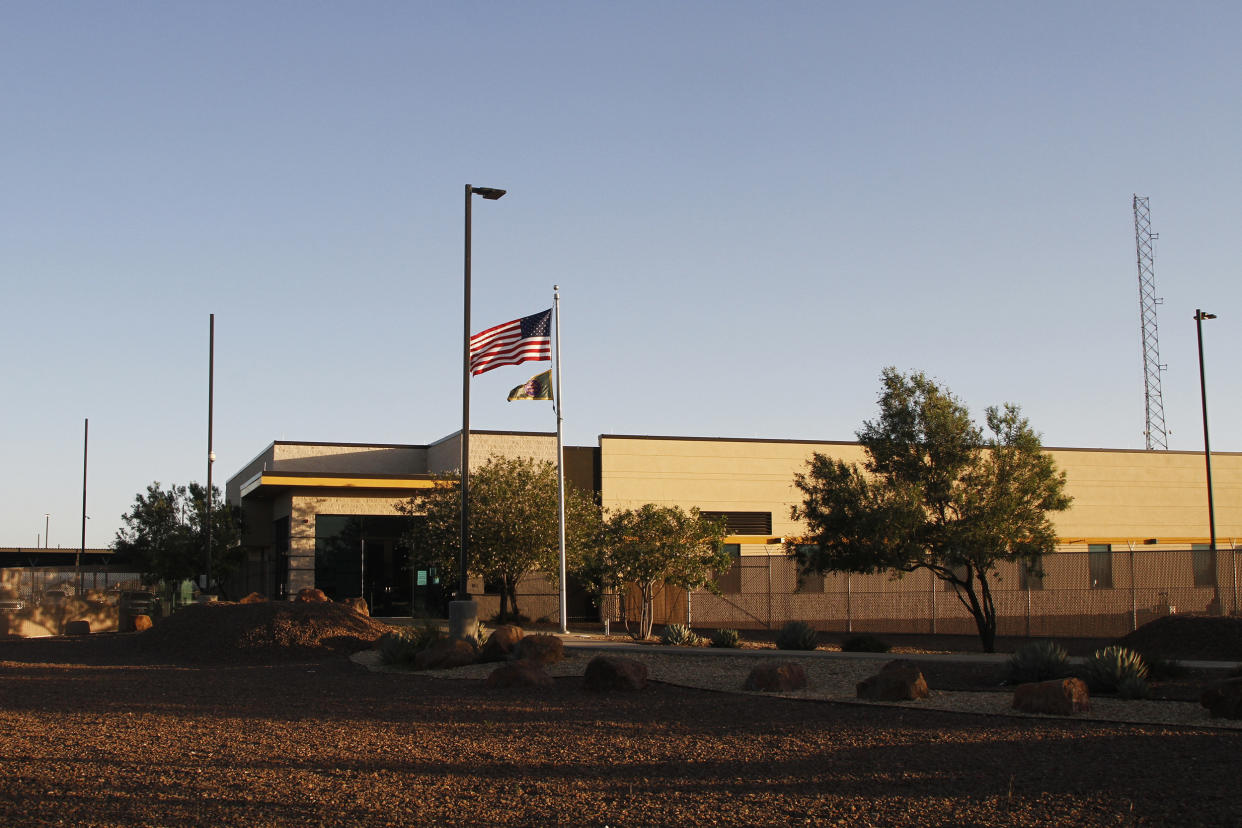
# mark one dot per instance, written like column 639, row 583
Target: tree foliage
column 656, row 546
column 514, row 528
column 935, row 493
column 163, row 535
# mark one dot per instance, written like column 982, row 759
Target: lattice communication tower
column 1157, row 436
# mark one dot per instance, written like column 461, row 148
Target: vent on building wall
column 743, row 523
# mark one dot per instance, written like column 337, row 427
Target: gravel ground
column 93, row 736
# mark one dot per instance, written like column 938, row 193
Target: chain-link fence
column 1103, row 590
column 31, row 583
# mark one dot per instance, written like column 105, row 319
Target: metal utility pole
column 86, row 441
column 1155, row 432
column 211, row 455
column 1207, row 445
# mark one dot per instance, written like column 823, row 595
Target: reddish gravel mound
column 1209, row 638
column 263, row 632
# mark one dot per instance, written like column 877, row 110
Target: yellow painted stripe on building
column 350, row 482
column 750, row 539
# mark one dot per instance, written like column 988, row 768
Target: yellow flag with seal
column 538, row 387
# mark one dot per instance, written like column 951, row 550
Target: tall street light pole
column 463, row 612
column 211, row 455
column 47, row 522
column 1207, row 449
column 86, row 441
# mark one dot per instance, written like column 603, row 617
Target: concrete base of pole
column 463, row 619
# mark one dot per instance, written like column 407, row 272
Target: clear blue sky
column 751, row 209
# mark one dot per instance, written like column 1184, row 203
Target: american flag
column 522, row 340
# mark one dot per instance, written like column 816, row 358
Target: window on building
column 1204, row 563
column 1100, row 563
column 730, row 581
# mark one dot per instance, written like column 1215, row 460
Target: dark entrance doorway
column 364, row 555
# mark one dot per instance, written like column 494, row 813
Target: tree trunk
column 511, row 588
column 646, row 616
column 504, row 602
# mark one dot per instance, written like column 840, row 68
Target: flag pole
column 560, row 456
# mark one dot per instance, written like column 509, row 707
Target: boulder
column 604, row 673
column 1224, row 698
column 520, row 673
column 544, row 649
column 253, row 598
column 312, row 596
column 777, row 677
column 358, row 605
column 501, row 644
column 445, row 654
column 77, row 628
column 141, row 622
column 1058, row 697
column 899, row 680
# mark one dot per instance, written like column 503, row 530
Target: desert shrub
column 1037, row 661
column 797, row 635
column 1132, row 687
column 400, row 646
column 1106, row 669
column 730, row 639
column 1160, row 668
column 679, row 635
column 865, row 644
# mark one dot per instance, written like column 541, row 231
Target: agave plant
column 679, row 635
column 1037, row 661
column 1106, row 669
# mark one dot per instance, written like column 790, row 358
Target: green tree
column 514, row 528
column 163, row 534
column 935, row 493
column 653, row 547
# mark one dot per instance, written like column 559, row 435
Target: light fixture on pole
column 1207, row 449
column 463, row 612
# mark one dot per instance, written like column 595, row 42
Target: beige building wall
column 445, row 455
column 1117, row 494
column 349, row 458
column 1148, row 494
column 715, row 475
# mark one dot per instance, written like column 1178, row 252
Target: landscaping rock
column 253, row 598
column 520, row 673
column 604, row 673
column 776, row 677
column 78, row 628
column 141, row 622
column 544, row 649
column 1058, row 697
column 1224, row 699
column 312, row 596
column 899, row 680
column 501, row 644
column 358, row 605
column 445, row 654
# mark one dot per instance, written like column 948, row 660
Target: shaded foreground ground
column 324, row 742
